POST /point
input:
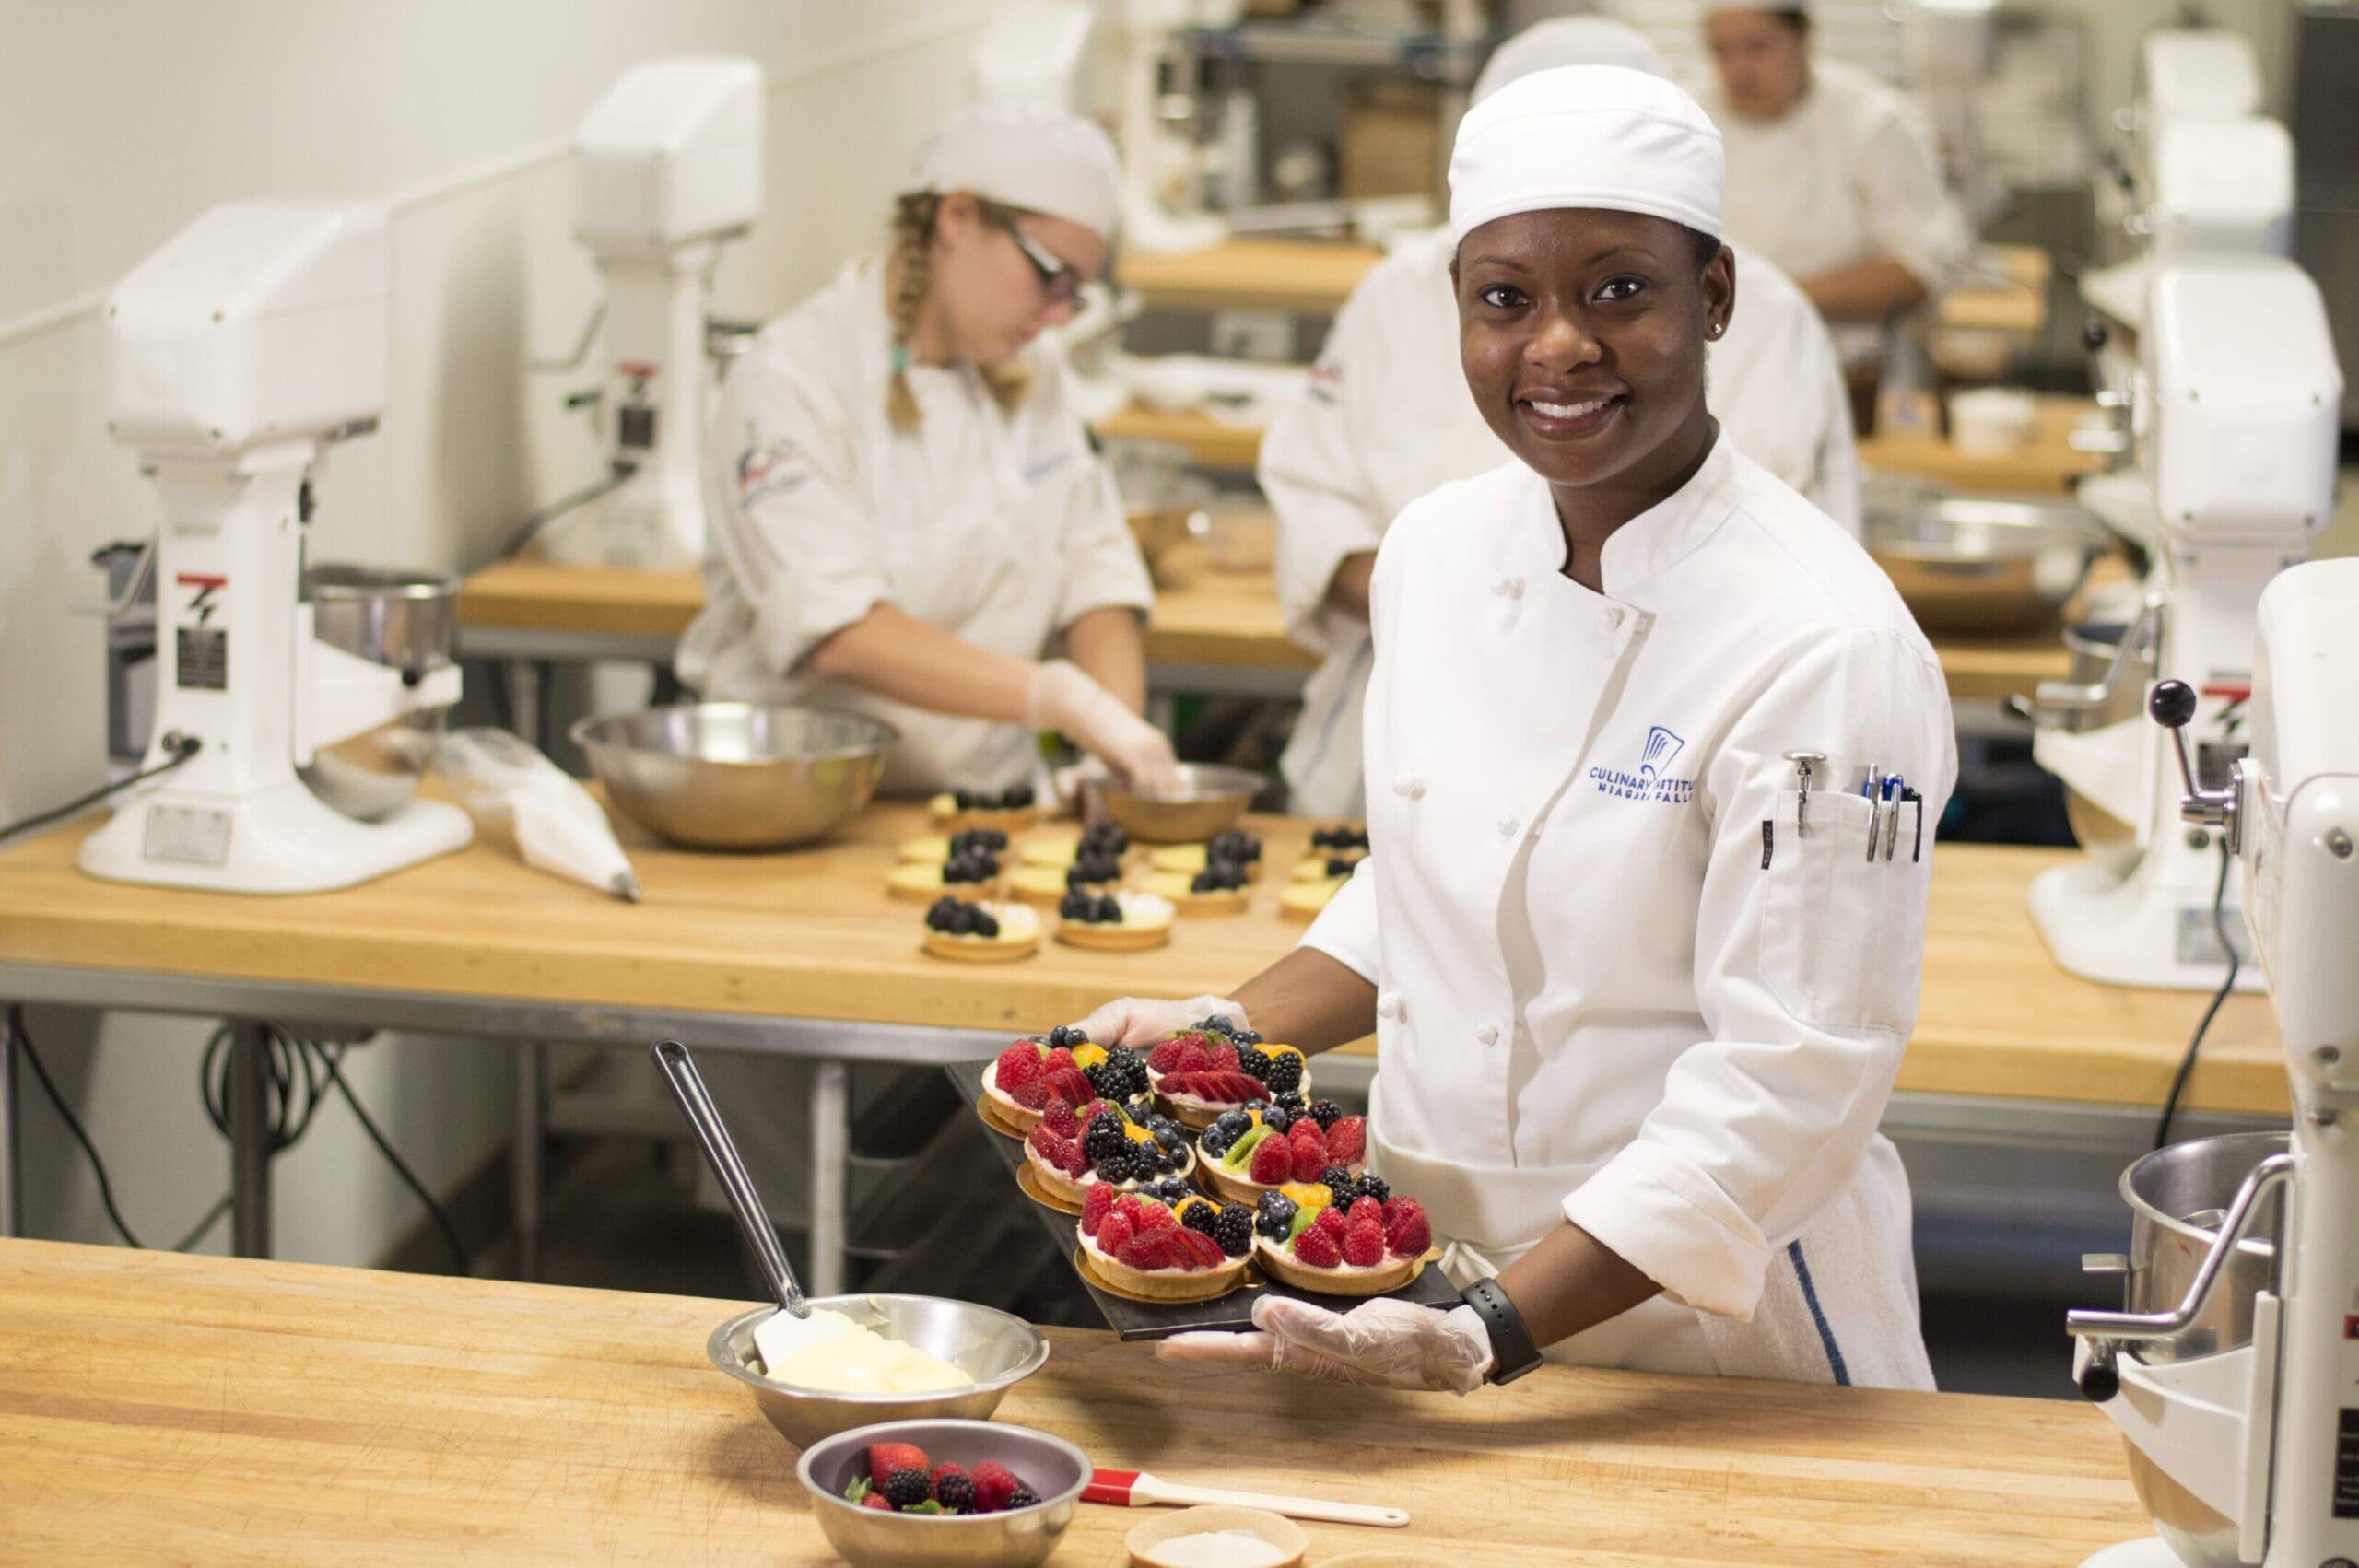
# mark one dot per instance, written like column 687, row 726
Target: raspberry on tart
column 1234, row 1163
column 1367, row 1249
column 1186, row 1248
column 1023, row 1080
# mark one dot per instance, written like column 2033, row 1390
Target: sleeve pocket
column 1843, row 935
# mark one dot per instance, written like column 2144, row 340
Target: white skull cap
column 1568, row 41
column 1599, row 136
column 1028, row 156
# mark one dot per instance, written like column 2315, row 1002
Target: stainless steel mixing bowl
column 2178, row 1197
column 868, row 1538
column 1209, row 801
column 734, row 776
column 1982, row 566
column 407, row 621
column 996, row 1349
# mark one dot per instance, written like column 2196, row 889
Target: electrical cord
column 212, row 1218
column 334, row 1064
column 16, row 1032
column 184, row 747
column 523, row 531
column 2227, row 984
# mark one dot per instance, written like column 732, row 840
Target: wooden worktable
column 1207, row 618
column 811, row 934
column 1315, row 277
column 2047, row 463
column 154, row 1408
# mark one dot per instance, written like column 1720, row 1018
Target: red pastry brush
column 1136, row 1489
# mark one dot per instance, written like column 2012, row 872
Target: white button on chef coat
column 1002, row 528
column 1707, row 1046
column 1848, row 174
column 1386, row 416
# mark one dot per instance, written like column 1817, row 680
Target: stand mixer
column 2235, row 409
column 667, row 168
column 2249, row 1452
column 255, row 337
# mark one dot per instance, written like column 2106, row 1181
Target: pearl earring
column 1716, row 328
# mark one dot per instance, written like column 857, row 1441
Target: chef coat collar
column 1651, row 541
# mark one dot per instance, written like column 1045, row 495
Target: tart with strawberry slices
column 1358, row 1243
column 980, row 932
column 1194, row 1249
column 1199, row 1074
column 1023, row 1078
column 1072, row 1150
column 1246, row 1153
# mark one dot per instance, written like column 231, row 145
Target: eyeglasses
column 1059, row 279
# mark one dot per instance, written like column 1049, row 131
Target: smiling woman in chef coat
column 1636, row 1025
column 1831, row 174
column 1386, row 417
column 905, row 512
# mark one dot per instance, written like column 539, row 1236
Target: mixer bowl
column 1981, row 566
column 2178, row 1197
column 407, row 621
column 736, row 776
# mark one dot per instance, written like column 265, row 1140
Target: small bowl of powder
column 1218, row 1538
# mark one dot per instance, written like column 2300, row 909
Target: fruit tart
column 1010, row 811
column 1114, row 922
column 1062, row 1064
column 1304, row 896
column 1199, row 1074
column 1245, row 1154
column 1105, row 839
column 1346, row 842
column 1093, row 871
column 1353, row 1239
column 1236, row 846
column 968, row 873
column 1074, row 1149
column 936, row 848
column 1192, row 1249
column 1218, row 889
column 980, row 932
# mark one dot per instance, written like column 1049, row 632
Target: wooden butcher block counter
column 161, row 1408
column 812, row 934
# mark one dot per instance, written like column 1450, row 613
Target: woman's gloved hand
column 1139, row 1021
column 1386, row 1342
column 1063, row 696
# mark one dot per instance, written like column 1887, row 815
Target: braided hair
column 915, row 215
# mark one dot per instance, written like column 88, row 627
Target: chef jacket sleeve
column 1103, row 569
column 783, row 508
column 1345, row 929
column 1910, row 216
column 1314, row 471
column 1806, row 975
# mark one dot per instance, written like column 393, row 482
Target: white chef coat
column 1386, row 416
column 1848, row 174
column 1002, row 528
column 1595, row 1003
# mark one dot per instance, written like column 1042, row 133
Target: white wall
column 121, row 120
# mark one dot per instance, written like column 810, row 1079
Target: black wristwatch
column 1510, row 1341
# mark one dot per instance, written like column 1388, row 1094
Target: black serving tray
column 1156, row 1320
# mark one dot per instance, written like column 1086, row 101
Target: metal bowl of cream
column 996, row 1349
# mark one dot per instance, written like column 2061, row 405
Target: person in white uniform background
column 905, row 512
column 1831, row 174
column 1386, row 417
column 1636, row 1021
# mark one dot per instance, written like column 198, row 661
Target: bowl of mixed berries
column 913, row 1493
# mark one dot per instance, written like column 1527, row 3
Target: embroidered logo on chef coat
column 767, row 468
column 1649, row 783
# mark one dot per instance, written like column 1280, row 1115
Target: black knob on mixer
column 2095, row 334
column 2101, row 1379
column 2171, row 704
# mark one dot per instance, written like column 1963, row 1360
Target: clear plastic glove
column 1387, row 1343
column 1139, row 1021
column 1063, row 696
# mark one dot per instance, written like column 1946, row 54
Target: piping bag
column 557, row 826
